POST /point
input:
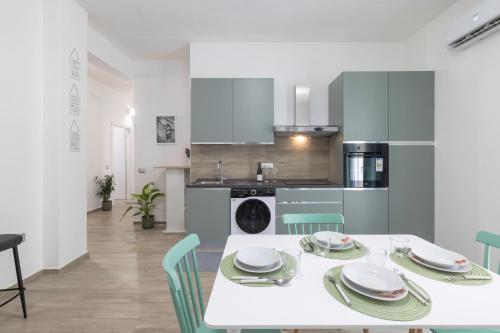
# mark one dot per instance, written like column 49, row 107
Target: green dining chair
column 301, row 224
column 181, row 265
column 488, row 239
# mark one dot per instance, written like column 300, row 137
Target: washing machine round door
column 253, row 216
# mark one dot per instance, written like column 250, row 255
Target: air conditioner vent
column 479, row 33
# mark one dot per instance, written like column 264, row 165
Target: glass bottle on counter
column 259, row 173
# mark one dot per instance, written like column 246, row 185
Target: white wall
column 107, row 105
column 106, row 52
column 64, row 183
column 21, row 133
column 313, row 64
column 467, row 127
column 164, row 92
column 43, row 185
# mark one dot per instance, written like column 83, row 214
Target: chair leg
column 20, row 284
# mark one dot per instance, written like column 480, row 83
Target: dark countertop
column 271, row 183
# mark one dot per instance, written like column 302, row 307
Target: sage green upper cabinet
column 253, row 111
column 411, row 106
column 365, row 106
column 211, row 110
column 232, row 110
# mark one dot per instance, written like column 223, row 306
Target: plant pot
column 148, row 222
column 107, row 205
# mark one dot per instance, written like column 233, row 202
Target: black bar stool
column 11, row 241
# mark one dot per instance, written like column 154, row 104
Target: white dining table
column 305, row 303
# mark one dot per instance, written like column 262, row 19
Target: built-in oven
column 366, row 165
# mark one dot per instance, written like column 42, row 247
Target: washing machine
column 253, row 211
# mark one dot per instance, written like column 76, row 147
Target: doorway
column 119, row 161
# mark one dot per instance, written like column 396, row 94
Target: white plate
column 456, row 269
column 336, row 238
column 365, row 292
column 437, row 256
column 245, row 268
column 335, row 248
column 372, row 277
column 258, row 257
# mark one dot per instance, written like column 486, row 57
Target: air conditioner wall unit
column 476, row 25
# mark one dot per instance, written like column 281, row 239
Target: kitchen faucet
column 221, row 170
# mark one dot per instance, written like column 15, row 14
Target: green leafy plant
column 144, row 201
column 106, row 186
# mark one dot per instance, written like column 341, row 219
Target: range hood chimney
column 302, row 118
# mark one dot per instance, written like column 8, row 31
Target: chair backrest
column 488, row 239
column 186, row 293
column 311, row 223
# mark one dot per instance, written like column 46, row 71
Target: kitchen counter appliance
column 253, row 211
column 366, row 165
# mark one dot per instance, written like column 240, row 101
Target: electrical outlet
column 267, row 165
column 142, row 170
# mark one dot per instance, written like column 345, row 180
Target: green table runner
column 406, row 309
column 438, row 275
column 228, row 269
column 352, row 253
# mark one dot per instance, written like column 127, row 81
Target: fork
column 333, row 280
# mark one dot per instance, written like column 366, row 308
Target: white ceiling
column 155, row 29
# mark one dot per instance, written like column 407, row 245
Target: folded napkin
column 392, row 293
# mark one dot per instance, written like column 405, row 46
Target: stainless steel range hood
column 302, row 119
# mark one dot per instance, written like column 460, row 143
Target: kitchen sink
column 209, row 182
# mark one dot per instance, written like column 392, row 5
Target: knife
column 413, row 286
column 476, row 277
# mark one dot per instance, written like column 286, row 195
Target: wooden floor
column 120, row 287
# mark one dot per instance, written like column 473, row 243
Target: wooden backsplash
column 292, row 159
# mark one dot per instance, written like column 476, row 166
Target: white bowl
column 372, row 277
column 336, row 238
column 440, row 257
column 452, row 269
column 258, row 257
column 367, row 293
column 266, row 269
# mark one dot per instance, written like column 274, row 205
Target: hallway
column 120, row 287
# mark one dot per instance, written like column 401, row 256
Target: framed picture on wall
column 165, row 129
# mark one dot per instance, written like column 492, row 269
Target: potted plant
column 106, row 186
column 145, row 204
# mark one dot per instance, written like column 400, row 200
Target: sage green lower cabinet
column 366, row 211
column 208, row 214
column 411, row 191
column 306, row 201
